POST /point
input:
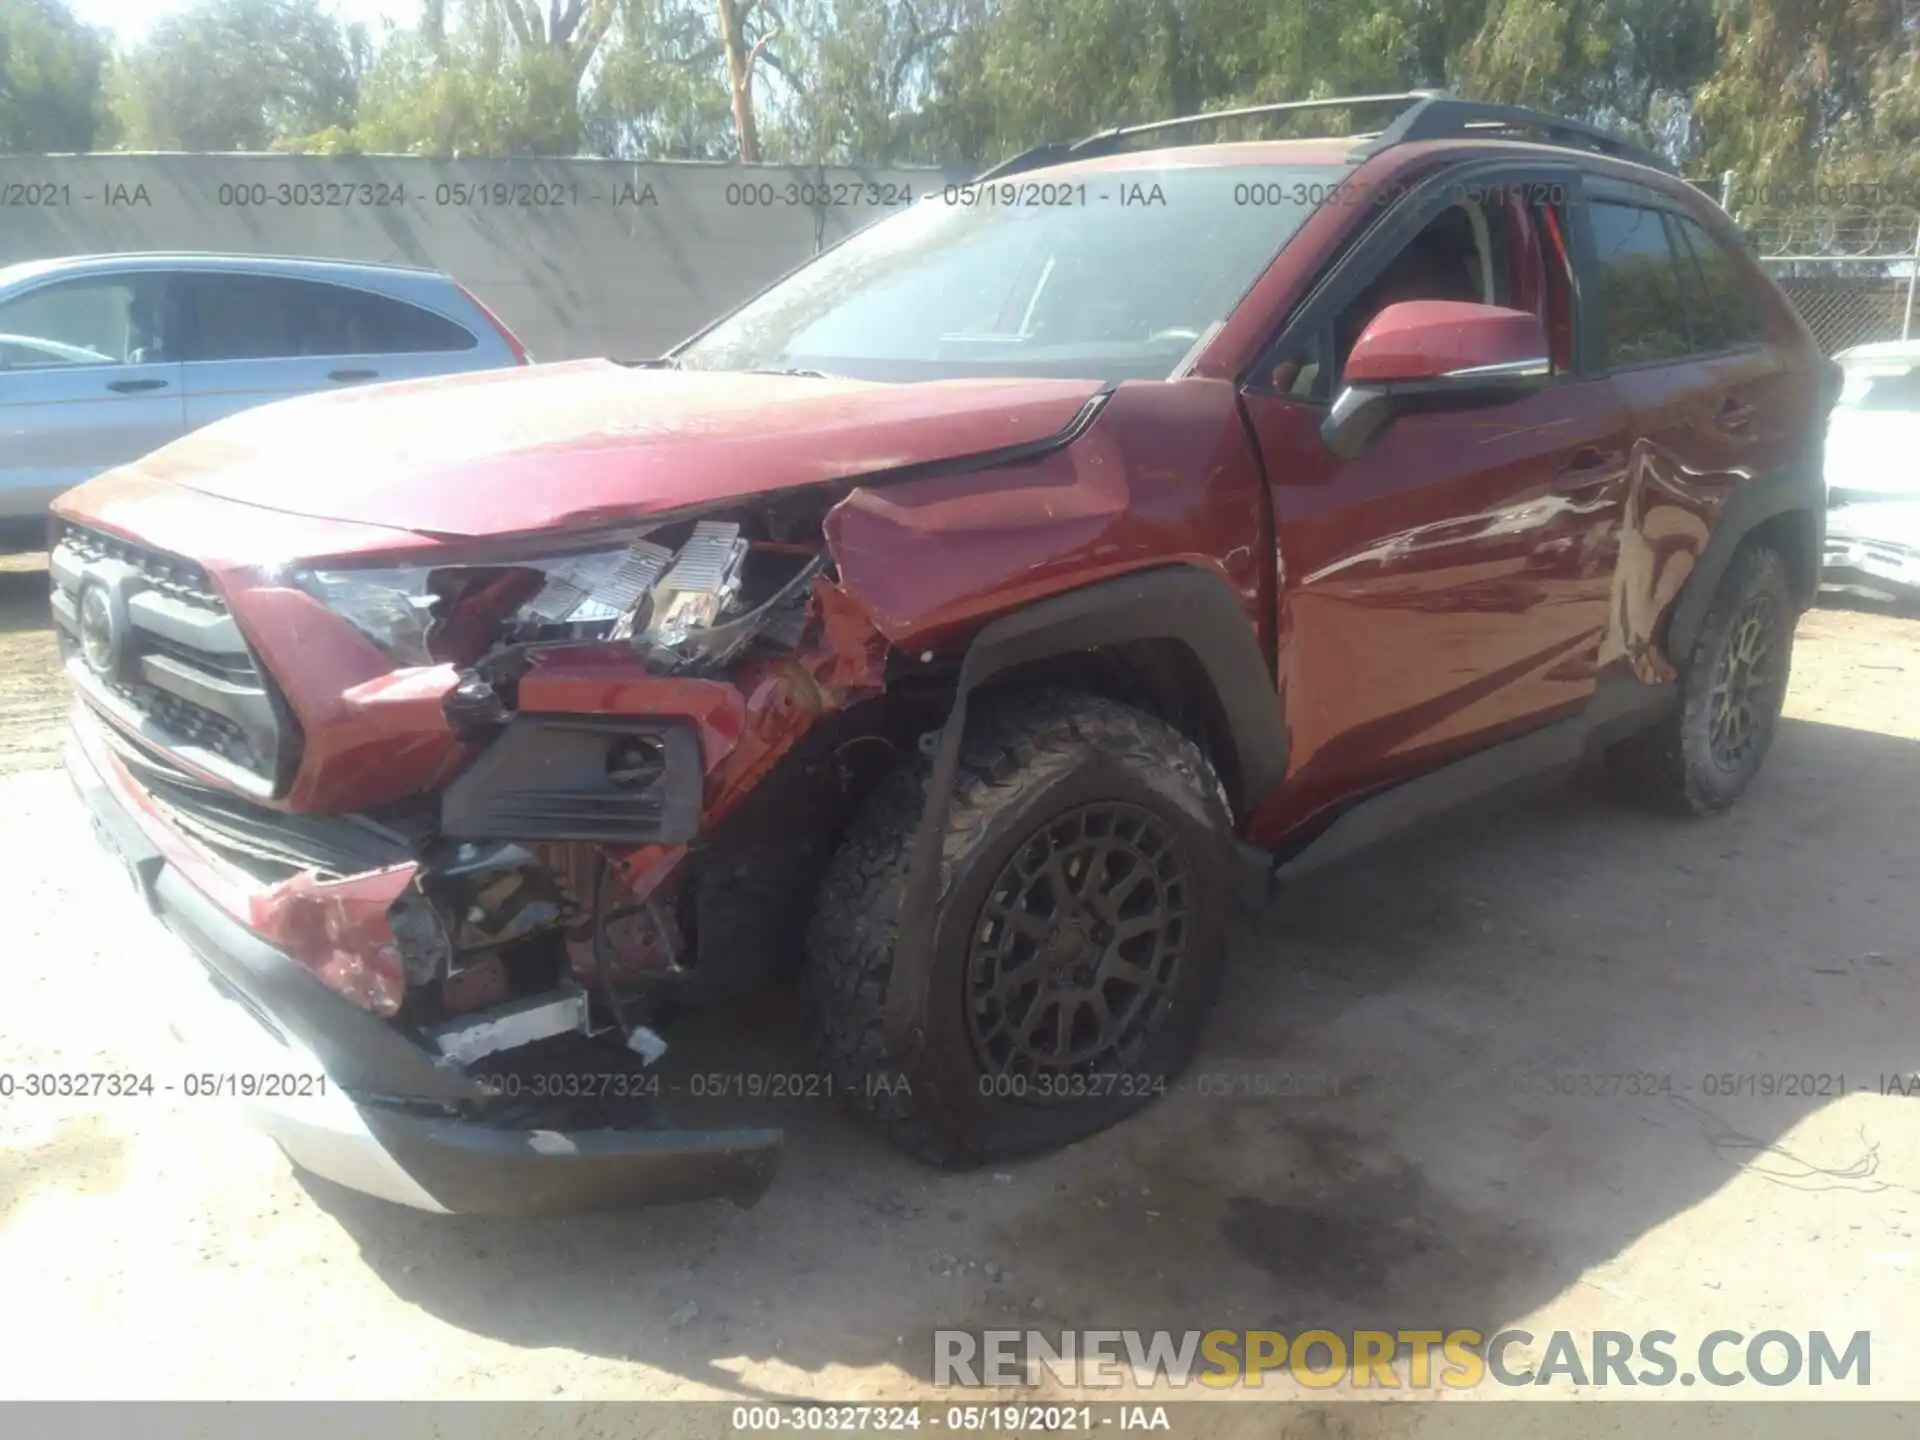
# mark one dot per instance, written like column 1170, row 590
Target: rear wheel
column 1077, row 941
column 1703, row 756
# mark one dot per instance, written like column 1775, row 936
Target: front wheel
column 1077, row 941
column 1703, row 756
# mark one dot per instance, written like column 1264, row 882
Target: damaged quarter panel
column 1703, row 431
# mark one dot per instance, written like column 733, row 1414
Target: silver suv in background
column 104, row 358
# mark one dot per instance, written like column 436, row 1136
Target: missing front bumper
column 390, row 1119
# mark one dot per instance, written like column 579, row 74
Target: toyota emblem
column 99, row 631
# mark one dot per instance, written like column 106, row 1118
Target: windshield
column 1114, row 275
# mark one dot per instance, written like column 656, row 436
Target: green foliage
column 1815, row 87
column 51, row 71
column 660, row 87
column 1052, row 69
column 239, row 75
column 476, row 95
column 1781, row 91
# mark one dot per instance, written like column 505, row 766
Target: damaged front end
column 654, row 743
column 619, row 834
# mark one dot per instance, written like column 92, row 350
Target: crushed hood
column 588, row 442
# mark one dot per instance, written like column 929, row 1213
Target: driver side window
column 1498, row 251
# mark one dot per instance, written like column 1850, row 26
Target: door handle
column 1735, row 415
column 350, row 375
column 135, row 387
column 1586, row 467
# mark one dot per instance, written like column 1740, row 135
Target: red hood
column 581, row 443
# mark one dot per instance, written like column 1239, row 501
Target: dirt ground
column 155, row 1247
column 33, row 698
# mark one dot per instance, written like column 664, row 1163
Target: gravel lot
column 153, row 1247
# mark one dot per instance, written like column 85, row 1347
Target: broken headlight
column 698, row 600
column 391, row 607
column 406, row 609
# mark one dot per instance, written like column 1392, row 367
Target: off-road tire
column 1677, row 766
column 1029, row 761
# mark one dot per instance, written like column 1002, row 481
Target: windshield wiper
column 803, row 374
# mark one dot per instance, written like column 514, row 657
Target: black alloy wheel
column 1079, row 943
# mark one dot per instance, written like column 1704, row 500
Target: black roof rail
column 1448, row 117
column 1424, row 115
column 1048, row 152
column 1109, row 142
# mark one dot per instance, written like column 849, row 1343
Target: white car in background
column 1873, row 475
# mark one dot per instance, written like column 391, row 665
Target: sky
column 130, row 20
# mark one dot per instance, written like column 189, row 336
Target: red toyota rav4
column 958, row 625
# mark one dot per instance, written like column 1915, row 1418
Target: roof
column 203, row 260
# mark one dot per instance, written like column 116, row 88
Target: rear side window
column 1725, row 311
column 1643, row 316
column 264, row 317
column 392, row 327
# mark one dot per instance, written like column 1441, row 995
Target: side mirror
column 1434, row 354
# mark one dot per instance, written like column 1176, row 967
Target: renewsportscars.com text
column 1391, row 1360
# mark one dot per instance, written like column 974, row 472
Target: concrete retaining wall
column 580, row 257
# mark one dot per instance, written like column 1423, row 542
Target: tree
column 1060, row 69
column 1806, row 86
column 854, row 77
column 240, row 75
column 569, row 31
column 659, row 88
column 1631, row 65
column 1774, row 89
column 743, row 40
column 468, row 98
column 496, row 77
column 51, row 69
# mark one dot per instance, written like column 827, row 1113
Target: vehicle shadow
column 1445, row 1082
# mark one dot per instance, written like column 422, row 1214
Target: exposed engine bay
column 597, row 873
column 680, row 607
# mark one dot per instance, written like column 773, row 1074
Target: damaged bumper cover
column 392, row 1119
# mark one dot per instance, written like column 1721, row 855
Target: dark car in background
column 105, row 357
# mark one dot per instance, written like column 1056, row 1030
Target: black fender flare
column 1763, row 498
column 1181, row 603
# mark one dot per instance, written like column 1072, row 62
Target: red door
column 1449, row 587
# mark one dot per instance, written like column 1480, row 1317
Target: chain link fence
column 1850, row 270
column 1845, row 310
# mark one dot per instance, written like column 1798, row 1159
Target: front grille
column 149, row 642
column 266, row 843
